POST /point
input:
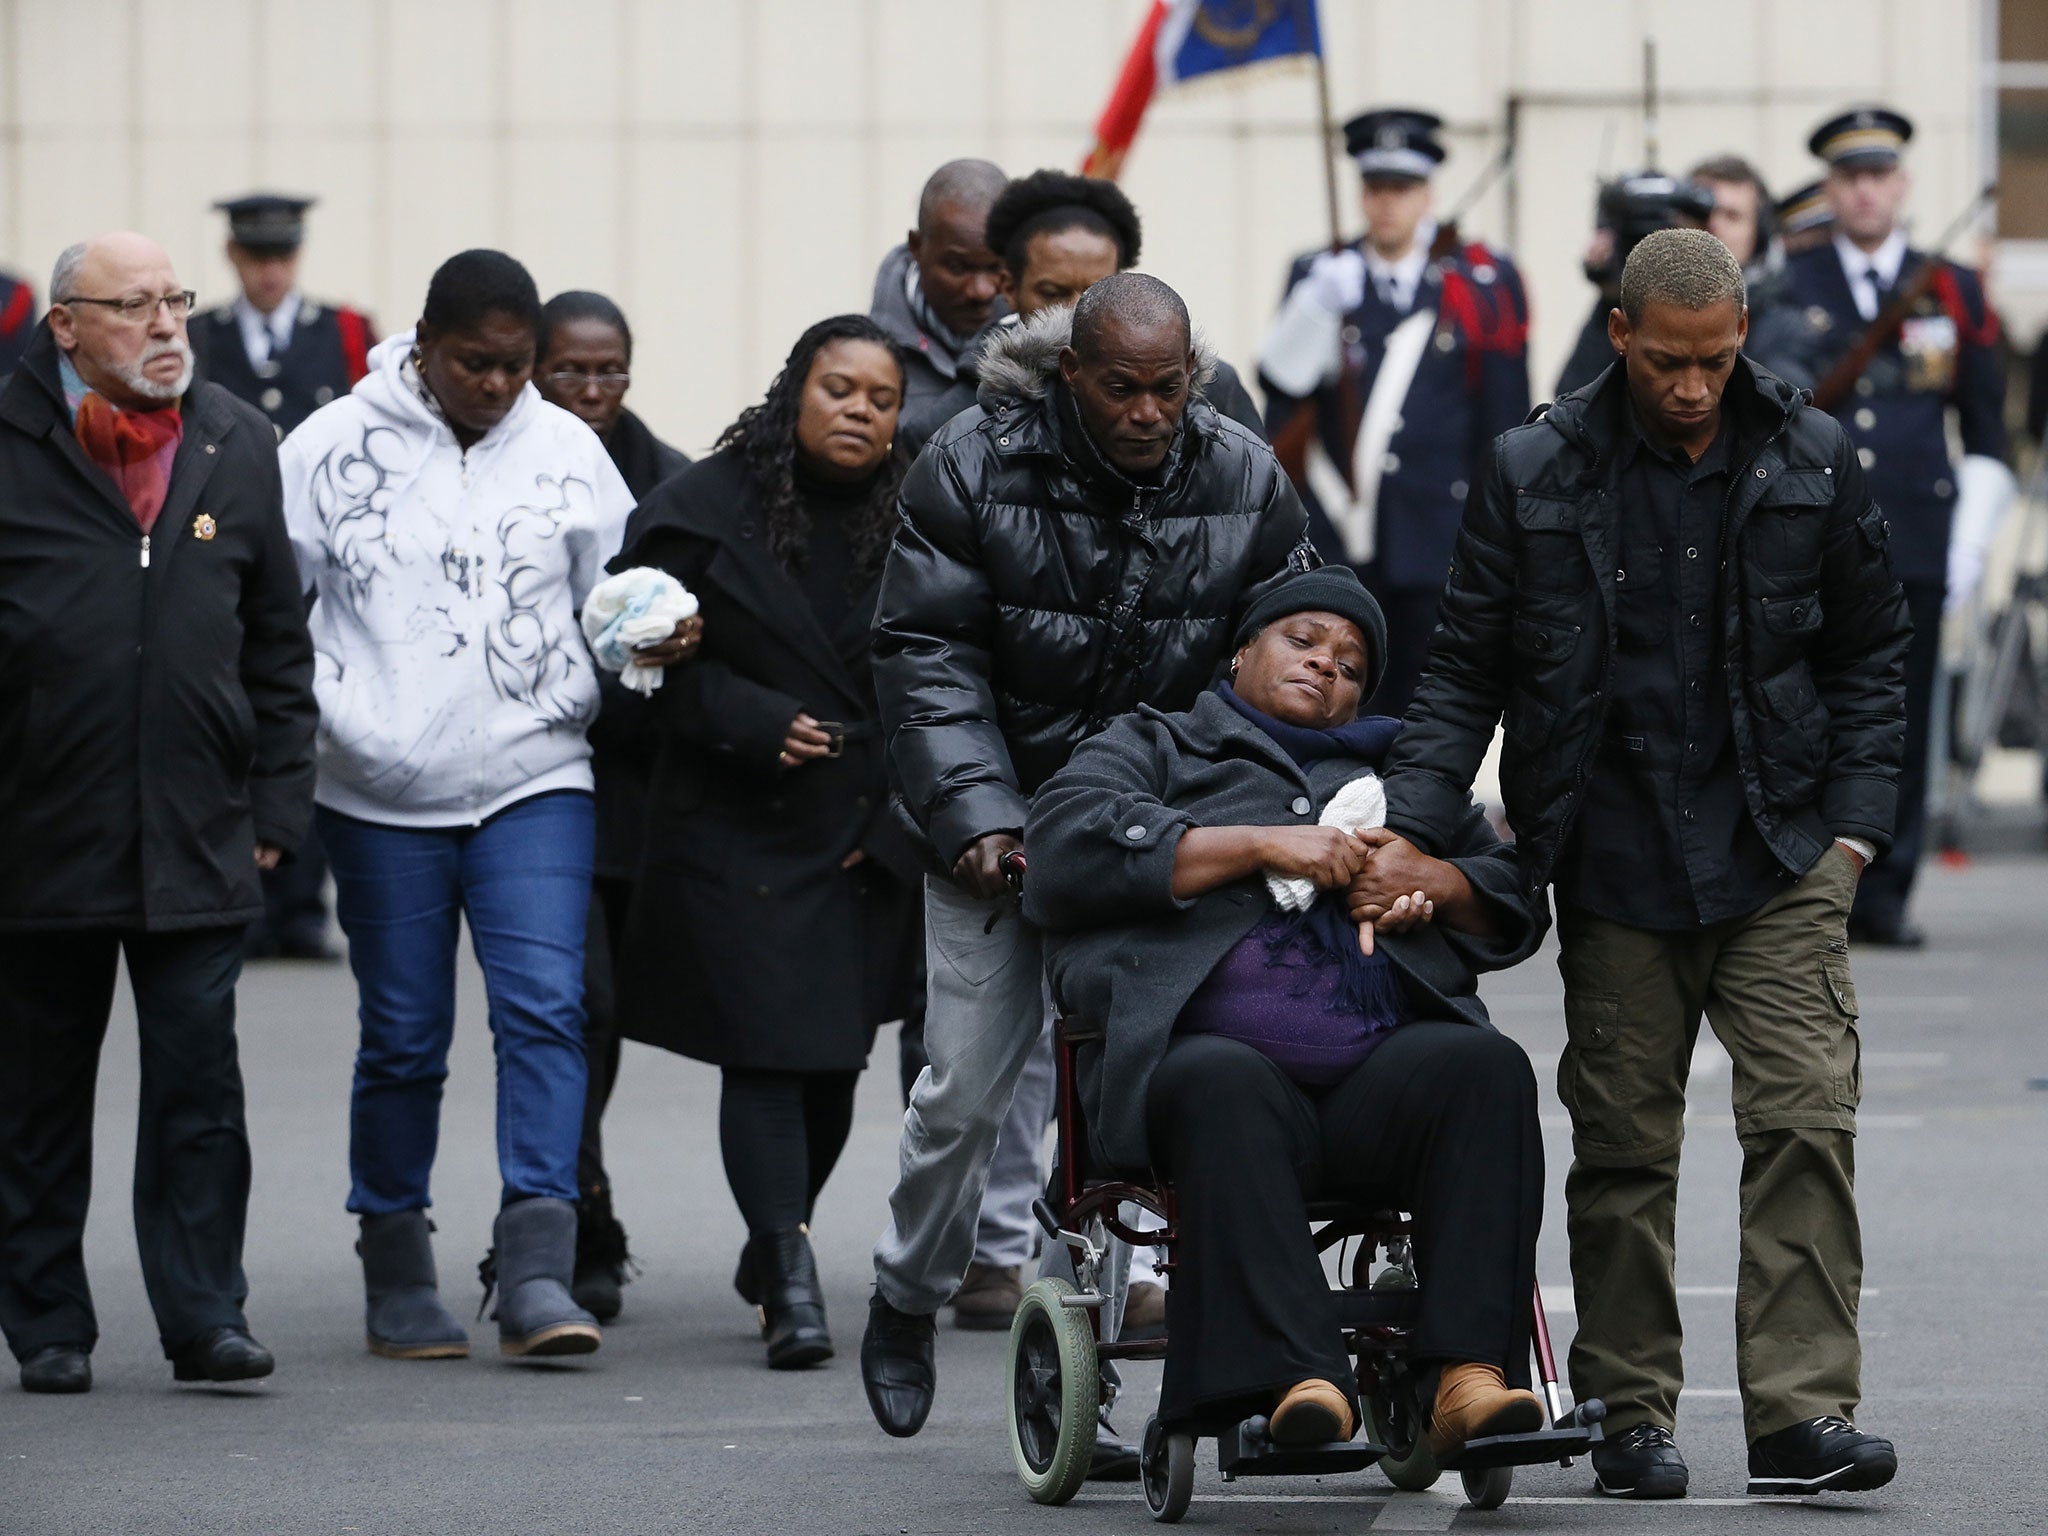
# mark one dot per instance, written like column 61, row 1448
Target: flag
column 1182, row 40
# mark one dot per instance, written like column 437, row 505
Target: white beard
column 137, row 380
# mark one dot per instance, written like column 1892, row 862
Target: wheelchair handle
column 1012, row 865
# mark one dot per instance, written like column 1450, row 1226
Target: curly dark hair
column 1052, row 201
column 765, row 435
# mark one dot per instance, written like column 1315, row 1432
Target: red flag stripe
column 1125, row 109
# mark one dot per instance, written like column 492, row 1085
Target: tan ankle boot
column 1474, row 1401
column 1312, row 1413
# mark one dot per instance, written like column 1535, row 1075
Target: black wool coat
column 748, row 946
column 1125, row 954
column 156, row 720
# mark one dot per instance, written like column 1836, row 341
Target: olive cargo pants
column 1775, row 986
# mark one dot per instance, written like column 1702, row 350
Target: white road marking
column 1431, row 1511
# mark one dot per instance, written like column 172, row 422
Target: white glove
column 1984, row 492
column 1302, row 350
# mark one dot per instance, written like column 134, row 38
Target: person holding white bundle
column 449, row 523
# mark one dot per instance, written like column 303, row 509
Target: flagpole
column 1326, row 129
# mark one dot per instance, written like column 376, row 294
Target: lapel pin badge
column 204, row 527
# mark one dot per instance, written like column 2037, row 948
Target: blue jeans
column 523, row 881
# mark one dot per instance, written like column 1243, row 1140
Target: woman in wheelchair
column 1260, row 1057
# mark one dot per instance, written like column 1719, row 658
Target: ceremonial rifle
column 1832, row 390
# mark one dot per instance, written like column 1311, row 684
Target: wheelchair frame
column 1055, row 1379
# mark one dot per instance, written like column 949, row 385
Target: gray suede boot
column 406, row 1320
column 536, row 1259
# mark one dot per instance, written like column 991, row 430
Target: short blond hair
column 1686, row 267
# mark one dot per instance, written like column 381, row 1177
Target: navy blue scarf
column 1324, row 934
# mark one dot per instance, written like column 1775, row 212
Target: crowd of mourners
column 1003, row 659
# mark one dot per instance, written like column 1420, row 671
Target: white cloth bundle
column 634, row 608
column 1358, row 805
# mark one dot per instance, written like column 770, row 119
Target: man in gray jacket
column 942, row 284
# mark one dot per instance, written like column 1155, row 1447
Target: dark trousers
column 1411, row 621
column 1440, row 1121
column 604, row 937
column 294, row 903
column 781, row 1134
column 1888, row 884
column 191, row 1147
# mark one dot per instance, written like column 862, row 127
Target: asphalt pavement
column 676, row 1427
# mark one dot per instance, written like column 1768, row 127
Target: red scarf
column 135, row 447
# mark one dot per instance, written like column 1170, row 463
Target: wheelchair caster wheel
column 1055, row 1393
column 1488, row 1489
column 1169, row 1472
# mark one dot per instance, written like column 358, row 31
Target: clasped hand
column 1386, row 879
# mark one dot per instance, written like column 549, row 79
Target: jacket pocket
column 1793, row 737
column 1552, row 557
column 1793, row 616
column 1848, row 1064
column 1543, row 641
column 1789, row 523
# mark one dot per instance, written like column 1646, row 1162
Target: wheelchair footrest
column 1244, row 1450
column 1525, row 1450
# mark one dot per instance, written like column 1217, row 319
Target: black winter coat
column 747, row 944
column 1034, row 593
column 1812, row 621
column 1125, row 954
column 156, row 720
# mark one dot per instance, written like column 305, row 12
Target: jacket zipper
column 145, row 551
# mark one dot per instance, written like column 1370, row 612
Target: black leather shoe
column 1640, row 1463
column 899, row 1366
column 1887, row 933
column 1824, row 1455
column 1114, row 1460
column 57, row 1368
column 222, row 1354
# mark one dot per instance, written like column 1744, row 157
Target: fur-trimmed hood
column 1021, row 358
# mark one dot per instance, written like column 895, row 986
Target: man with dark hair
column 1391, row 367
column 943, row 283
column 1743, row 214
column 1674, row 589
column 156, row 732
column 1944, row 356
column 287, row 355
column 1056, row 234
column 1083, row 543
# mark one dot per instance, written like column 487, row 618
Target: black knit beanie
column 1327, row 589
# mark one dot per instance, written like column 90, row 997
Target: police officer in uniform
column 287, row 355
column 1943, row 359
column 1409, row 350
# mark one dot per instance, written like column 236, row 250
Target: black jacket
column 1812, row 621
column 622, row 750
column 748, row 946
column 1125, row 954
column 155, row 721
column 1034, row 593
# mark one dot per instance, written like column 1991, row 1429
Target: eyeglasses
column 138, row 308
column 569, row 380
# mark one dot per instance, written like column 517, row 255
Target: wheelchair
column 1055, row 1388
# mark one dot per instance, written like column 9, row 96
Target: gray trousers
column 987, row 1013
column 1007, row 1233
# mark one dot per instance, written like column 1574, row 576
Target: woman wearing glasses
column 449, row 523
column 586, row 352
column 773, row 925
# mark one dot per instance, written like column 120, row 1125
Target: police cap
column 267, row 221
column 1395, row 141
column 1803, row 210
column 1863, row 138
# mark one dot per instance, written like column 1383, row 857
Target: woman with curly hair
column 774, row 922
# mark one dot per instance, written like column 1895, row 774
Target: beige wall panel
column 319, row 68
column 64, row 45
column 564, row 74
column 197, row 65
column 1571, row 47
column 811, row 63
column 564, row 199
column 688, row 65
column 1701, row 47
column 909, row 92
column 447, row 61
column 1833, row 47
column 59, row 205
column 442, row 196
column 1055, row 60
column 169, row 162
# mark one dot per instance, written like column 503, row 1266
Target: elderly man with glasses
column 156, row 732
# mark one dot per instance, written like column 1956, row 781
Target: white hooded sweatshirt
column 452, row 674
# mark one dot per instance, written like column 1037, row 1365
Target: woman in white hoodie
column 449, row 522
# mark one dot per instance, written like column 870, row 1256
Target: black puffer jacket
column 1034, row 593
column 1812, row 621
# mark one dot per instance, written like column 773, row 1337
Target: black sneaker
column 1824, row 1455
column 1640, row 1463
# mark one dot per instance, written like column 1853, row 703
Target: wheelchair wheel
column 1395, row 1419
column 1055, row 1393
column 1488, row 1489
column 1168, row 1468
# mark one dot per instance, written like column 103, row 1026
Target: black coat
column 622, row 747
column 1034, row 593
column 748, row 946
column 155, row 721
column 1125, row 954
column 1811, row 619
column 327, row 354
